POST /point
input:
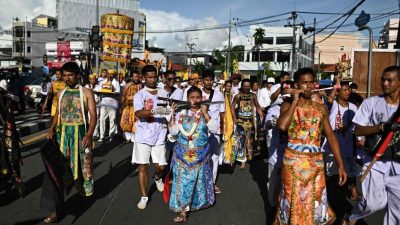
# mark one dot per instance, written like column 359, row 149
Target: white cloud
column 23, row 9
column 205, row 40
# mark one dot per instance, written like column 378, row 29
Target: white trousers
column 111, row 114
column 380, row 191
column 213, row 141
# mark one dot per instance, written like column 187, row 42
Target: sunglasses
column 169, row 79
column 236, row 78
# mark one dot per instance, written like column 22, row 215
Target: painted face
column 151, row 79
column 70, row 78
column 389, row 82
column 306, row 84
column 194, row 97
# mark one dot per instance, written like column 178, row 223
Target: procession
column 134, row 134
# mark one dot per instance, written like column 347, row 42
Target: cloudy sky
column 189, row 14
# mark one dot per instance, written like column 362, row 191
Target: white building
column 276, row 49
column 29, row 39
column 389, row 34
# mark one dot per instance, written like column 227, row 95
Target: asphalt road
column 243, row 199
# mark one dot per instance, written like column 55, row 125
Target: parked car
column 32, row 92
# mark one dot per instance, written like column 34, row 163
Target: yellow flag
column 228, row 131
column 225, row 75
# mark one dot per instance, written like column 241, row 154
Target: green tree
column 198, row 67
column 219, row 60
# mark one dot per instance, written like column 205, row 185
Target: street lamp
column 361, row 23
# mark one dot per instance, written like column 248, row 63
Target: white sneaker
column 143, row 202
column 159, row 184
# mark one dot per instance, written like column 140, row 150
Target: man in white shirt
column 108, row 90
column 380, row 189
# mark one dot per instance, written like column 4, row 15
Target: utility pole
column 97, row 50
column 294, row 60
column 228, row 58
column 191, row 47
column 313, row 44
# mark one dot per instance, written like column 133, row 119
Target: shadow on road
column 102, row 149
column 30, row 222
column 78, row 205
column 259, row 171
column 31, row 185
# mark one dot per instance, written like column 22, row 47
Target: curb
column 33, row 127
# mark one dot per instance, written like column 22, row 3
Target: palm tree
column 258, row 38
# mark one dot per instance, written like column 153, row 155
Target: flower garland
column 193, row 129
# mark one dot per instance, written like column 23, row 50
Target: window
column 19, row 46
column 28, row 34
column 19, row 31
column 268, row 40
column 28, row 49
column 341, row 48
column 264, row 56
column 284, row 40
column 283, row 57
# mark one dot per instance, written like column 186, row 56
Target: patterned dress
column 57, row 86
column 70, row 132
column 128, row 113
column 245, row 127
column 192, row 184
column 303, row 199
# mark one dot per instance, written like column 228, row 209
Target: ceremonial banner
column 117, row 32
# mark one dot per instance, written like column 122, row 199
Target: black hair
column 253, row 82
column 344, row 83
column 104, row 70
column 194, row 89
column 168, row 72
column 208, row 73
column 264, row 82
column 301, row 72
column 392, row 69
column 228, row 81
column 149, row 68
column 134, row 71
column 71, row 67
column 284, row 73
column 353, row 85
column 245, row 80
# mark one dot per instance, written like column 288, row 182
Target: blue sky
column 242, row 9
column 181, row 14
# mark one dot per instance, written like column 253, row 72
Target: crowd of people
column 316, row 142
